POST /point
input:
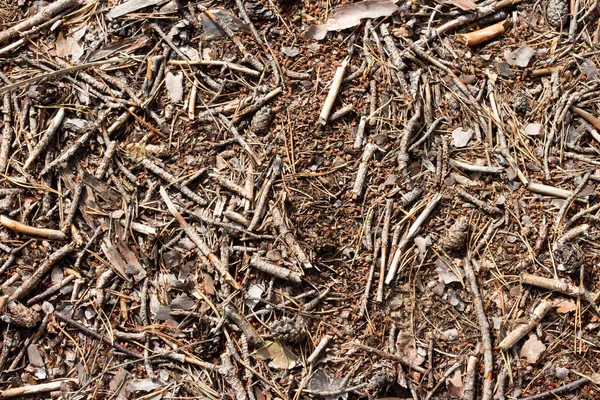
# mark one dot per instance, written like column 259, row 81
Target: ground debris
column 284, row 199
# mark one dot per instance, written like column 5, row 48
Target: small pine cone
column 557, row 13
column 569, row 257
column 256, row 10
column 520, row 103
column 457, row 234
column 289, row 330
column 262, row 121
column 22, row 315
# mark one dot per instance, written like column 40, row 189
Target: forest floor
column 271, row 199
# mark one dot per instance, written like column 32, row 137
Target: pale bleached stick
column 475, row 168
column 35, row 389
column 319, row 349
column 409, row 236
column 275, row 270
column 360, row 133
column 469, row 393
column 336, row 83
column 193, row 235
column 264, row 193
column 361, row 174
column 519, row 332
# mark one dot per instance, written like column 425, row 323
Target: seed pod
column 520, row 103
column 262, row 120
column 569, row 257
column 457, row 234
column 557, row 13
column 289, row 330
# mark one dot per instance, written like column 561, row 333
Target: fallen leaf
column 444, row 272
column 532, row 349
column 281, row 357
column 321, row 381
column 253, row 295
column 144, row 384
column 174, row 84
column 455, row 384
column 348, row 16
column 564, row 306
column 465, row 5
column 460, row 137
column 520, row 57
column 533, row 129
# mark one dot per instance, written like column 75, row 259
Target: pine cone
column 289, row 330
column 569, row 258
column 557, row 13
column 520, row 103
column 457, row 234
column 22, row 315
column 256, row 10
column 262, row 121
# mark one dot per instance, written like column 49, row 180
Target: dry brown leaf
column 348, row 16
column 455, row 384
column 565, row 305
column 281, row 357
column 532, row 349
column 465, row 5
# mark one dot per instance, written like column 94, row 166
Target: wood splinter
column 17, row 227
column 474, row 38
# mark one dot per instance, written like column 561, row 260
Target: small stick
column 361, row 174
column 289, row 238
column 35, row 389
column 17, row 227
column 334, row 89
column 484, row 326
column 231, row 185
column 193, row 235
column 365, row 300
column 563, row 209
column 430, row 130
column 146, row 163
column 389, row 356
column 217, row 63
column 264, row 193
column 571, row 234
column 475, row 168
column 241, row 141
column 580, row 214
column 51, row 290
column 573, row 21
column 33, row 281
column 594, row 121
column 232, row 315
column 42, row 16
column 105, row 163
column 554, row 285
column 66, row 154
column 275, row 270
column 474, row 38
column 6, row 133
column 96, row 335
column 411, row 128
column 519, row 332
column 549, row 190
column 311, row 305
column 385, row 239
column 360, row 133
column 447, row 374
column 469, row 393
column 479, row 203
column 319, row 349
column 412, row 231
column 559, row 390
column 341, row 112
column 45, row 140
column 73, row 208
